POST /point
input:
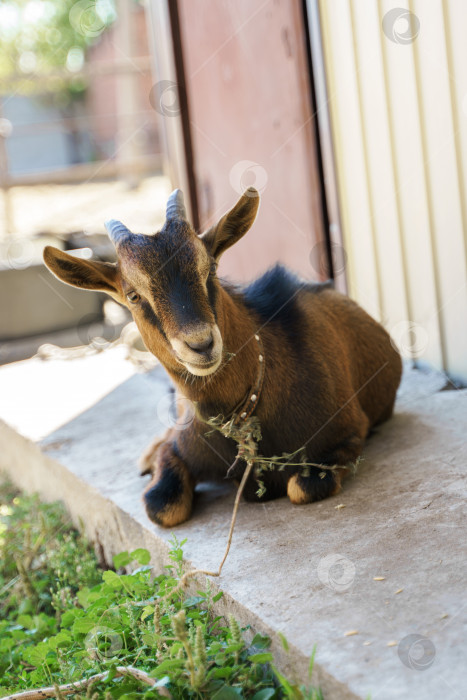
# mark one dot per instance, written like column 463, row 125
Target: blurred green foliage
column 44, row 43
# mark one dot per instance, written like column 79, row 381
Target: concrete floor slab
column 389, row 566
column 37, row 396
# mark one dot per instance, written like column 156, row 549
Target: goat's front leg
column 147, row 461
column 168, row 498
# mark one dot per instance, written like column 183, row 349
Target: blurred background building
column 349, row 117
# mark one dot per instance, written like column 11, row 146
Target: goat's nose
column 201, row 346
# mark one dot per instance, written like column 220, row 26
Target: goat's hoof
column 296, row 491
column 306, row 489
column 168, row 502
column 147, row 461
column 145, row 467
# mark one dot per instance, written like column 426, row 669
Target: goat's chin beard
column 200, row 371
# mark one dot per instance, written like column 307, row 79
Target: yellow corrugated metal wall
column 397, row 89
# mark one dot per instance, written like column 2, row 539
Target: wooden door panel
column 251, row 123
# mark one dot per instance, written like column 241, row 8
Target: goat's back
column 355, row 347
column 334, row 348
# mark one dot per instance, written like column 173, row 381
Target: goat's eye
column 213, row 268
column 133, row 297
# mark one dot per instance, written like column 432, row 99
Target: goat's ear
column 233, row 225
column 86, row 274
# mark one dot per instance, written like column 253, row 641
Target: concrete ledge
column 305, row 571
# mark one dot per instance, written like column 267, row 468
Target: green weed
column 63, row 619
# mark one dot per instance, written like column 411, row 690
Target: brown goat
column 315, row 369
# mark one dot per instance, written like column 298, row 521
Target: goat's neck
column 225, row 389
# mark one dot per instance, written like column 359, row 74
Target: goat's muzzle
column 199, row 348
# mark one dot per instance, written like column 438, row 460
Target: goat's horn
column 176, row 206
column 116, row 230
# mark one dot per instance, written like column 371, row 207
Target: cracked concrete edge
column 112, row 530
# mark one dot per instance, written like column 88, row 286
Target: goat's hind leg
column 168, row 498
